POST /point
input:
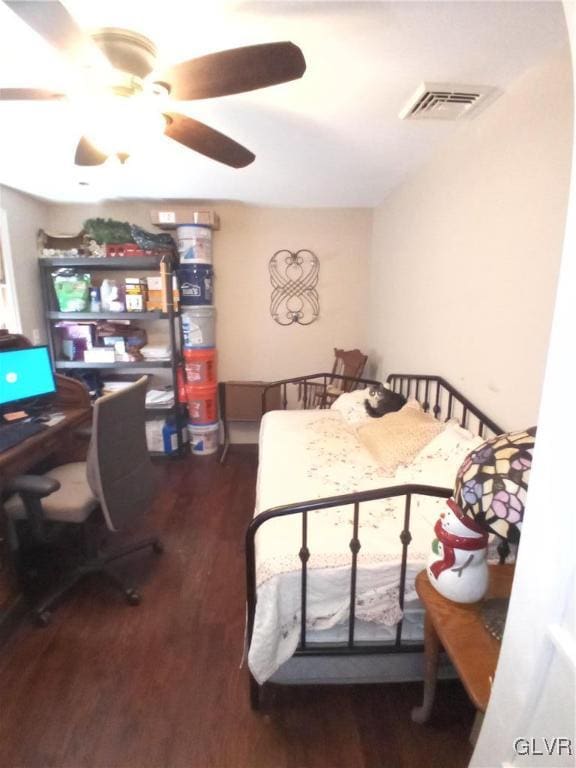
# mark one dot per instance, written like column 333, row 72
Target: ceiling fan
column 127, row 77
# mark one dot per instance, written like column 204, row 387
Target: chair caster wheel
column 158, row 547
column 133, row 597
column 42, row 618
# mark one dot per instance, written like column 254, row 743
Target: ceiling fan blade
column 28, row 94
column 51, row 20
column 201, row 138
column 86, row 154
column 235, row 71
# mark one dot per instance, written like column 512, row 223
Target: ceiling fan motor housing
column 126, row 50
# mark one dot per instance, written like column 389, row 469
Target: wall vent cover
column 447, row 101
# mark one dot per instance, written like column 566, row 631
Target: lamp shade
column 492, row 483
column 489, row 497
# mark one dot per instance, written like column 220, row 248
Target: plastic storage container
column 200, row 366
column 204, row 438
column 196, row 282
column 194, row 244
column 198, row 326
column 202, row 403
column 170, row 436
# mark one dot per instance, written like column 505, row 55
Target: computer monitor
column 25, row 375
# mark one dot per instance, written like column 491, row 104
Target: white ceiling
column 332, row 138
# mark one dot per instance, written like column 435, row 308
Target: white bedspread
column 306, row 455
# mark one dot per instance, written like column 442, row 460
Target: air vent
column 447, row 101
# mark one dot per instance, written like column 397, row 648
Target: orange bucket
column 202, row 403
column 200, row 366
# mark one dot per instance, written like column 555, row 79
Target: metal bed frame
column 436, row 396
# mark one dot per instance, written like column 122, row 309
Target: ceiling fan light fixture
column 129, row 102
column 123, row 124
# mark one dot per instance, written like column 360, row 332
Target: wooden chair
column 349, row 363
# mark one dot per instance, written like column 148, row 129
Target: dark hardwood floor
column 160, row 686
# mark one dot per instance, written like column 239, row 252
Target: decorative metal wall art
column 294, row 277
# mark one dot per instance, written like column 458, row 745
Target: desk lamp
column 489, row 498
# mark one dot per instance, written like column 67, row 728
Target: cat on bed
column 381, row 401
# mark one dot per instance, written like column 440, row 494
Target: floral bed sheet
column 307, row 455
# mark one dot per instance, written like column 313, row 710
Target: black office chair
column 116, row 481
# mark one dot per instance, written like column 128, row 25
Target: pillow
column 439, row 461
column 351, row 406
column 397, row 437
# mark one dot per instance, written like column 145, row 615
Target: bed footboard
column 303, row 509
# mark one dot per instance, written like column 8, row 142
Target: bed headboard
column 438, row 396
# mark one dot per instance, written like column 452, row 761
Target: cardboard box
column 171, row 216
column 134, row 294
column 154, row 293
column 154, row 301
column 154, row 282
column 75, row 338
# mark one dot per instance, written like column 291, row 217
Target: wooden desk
column 58, row 443
column 73, row 400
column 56, row 440
column 460, row 630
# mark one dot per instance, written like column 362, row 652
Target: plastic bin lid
column 198, row 346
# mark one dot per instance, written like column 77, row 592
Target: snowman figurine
column 457, row 567
column 489, row 498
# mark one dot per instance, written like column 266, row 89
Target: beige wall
column 25, row 216
column 250, row 344
column 465, row 253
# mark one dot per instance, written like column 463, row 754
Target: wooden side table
column 460, row 630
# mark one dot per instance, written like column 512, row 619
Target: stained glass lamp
column 492, row 483
column 489, row 498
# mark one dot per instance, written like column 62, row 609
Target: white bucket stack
column 198, row 330
column 198, row 326
column 194, row 244
column 204, row 438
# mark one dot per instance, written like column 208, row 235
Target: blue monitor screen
column 24, row 374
